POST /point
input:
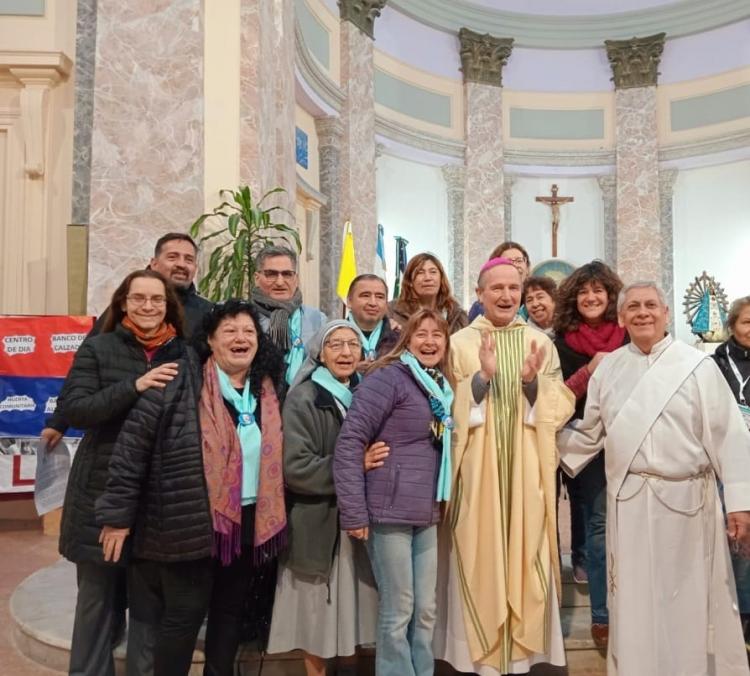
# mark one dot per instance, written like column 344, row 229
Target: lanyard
column 740, row 382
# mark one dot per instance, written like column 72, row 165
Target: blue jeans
column 404, row 562
column 591, row 489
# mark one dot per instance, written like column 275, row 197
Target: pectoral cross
column 554, row 203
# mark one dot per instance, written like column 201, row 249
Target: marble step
column 43, row 605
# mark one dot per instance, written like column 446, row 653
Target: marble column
column 635, row 67
column 357, row 182
column 608, row 186
column 330, row 131
column 667, row 178
column 267, row 103
column 508, row 181
column 482, row 61
column 147, row 137
column 455, row 177
column 84, row 109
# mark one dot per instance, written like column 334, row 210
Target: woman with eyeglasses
column 517, row 255
column 425, row 286
column 326, row 603
column 136, row 352
column 196, row 474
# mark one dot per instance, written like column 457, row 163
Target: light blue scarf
column 323, row 377
column 296, row 354
column 248, row 432
column 440, row 404
column 369, row 345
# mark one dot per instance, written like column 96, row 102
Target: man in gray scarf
column 277, row 297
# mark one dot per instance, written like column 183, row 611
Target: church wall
column 581, row 233
column 147, row 173
column 412, row 203
column 35, row 210
column 711, row 231
column 221, row 99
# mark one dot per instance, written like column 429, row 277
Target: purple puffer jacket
column 388, row 406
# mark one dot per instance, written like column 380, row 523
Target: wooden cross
column 554, row 203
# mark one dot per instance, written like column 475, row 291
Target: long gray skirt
column 304, row 618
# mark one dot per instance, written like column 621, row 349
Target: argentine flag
column 379, row 267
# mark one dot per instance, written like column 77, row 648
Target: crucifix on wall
column 554, row 201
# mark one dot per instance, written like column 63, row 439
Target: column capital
column 330, row 130
column 635, row 62
column 454, row 176
column 607, row 182
column 483, row 57
column 362, row 13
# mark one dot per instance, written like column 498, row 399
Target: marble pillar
column 482, row 61
column 267, row 103
column 608, row 186
column 84, row 109
column 667, row 178
column 508, row 181
column 357, row 181
column 455, row 177
column 635, row 67
column 147, row 136
column 330, row 131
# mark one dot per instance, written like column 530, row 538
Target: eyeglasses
column 274, row 274
column 517, row 261
column 140, row 299
column 338, row 345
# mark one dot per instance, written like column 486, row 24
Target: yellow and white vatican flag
column 348, row 265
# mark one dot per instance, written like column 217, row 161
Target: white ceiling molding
column 575, row 32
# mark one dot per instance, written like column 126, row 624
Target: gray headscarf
column 315, row 346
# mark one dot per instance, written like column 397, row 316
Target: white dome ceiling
column 572, row 7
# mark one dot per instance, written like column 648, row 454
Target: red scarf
column 589, row 340
column 163, row 334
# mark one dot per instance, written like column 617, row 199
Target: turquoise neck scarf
column 296, row 354
column 369, row 344
column 323, row 377
column 248, row 433
column 440, row 399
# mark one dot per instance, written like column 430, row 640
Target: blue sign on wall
column 301, row 147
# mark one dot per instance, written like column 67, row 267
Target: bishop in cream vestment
column 498, row 561
column 670, row 428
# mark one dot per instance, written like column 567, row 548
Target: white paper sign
column 52, row 470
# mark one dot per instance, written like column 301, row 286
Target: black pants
column 173, row 598
column 99, row 618
column 241, row 603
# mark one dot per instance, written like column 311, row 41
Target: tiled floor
column 21, row 553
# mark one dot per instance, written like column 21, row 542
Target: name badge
column 745, row 410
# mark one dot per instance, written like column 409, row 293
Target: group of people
column 392, row 478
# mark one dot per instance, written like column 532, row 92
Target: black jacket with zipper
column 97, row 397
column 156, row 482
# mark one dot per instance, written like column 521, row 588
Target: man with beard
column 276, row 295
column 175, row 257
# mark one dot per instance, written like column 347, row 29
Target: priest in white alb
column 670, row 428
column 498, row 562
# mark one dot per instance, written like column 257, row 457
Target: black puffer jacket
column 741, row 358
column 156, row 482
column 97, row 396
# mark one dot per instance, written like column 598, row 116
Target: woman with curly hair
column 425, row 287
column 586, row 328
column 205, row 505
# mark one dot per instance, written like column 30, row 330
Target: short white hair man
column 670, row 428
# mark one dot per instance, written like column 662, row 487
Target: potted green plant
column 249, row 228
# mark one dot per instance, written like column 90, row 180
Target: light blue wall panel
column 411, row 100
column 699, row 111
column 315, row 34
column 557, row 124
